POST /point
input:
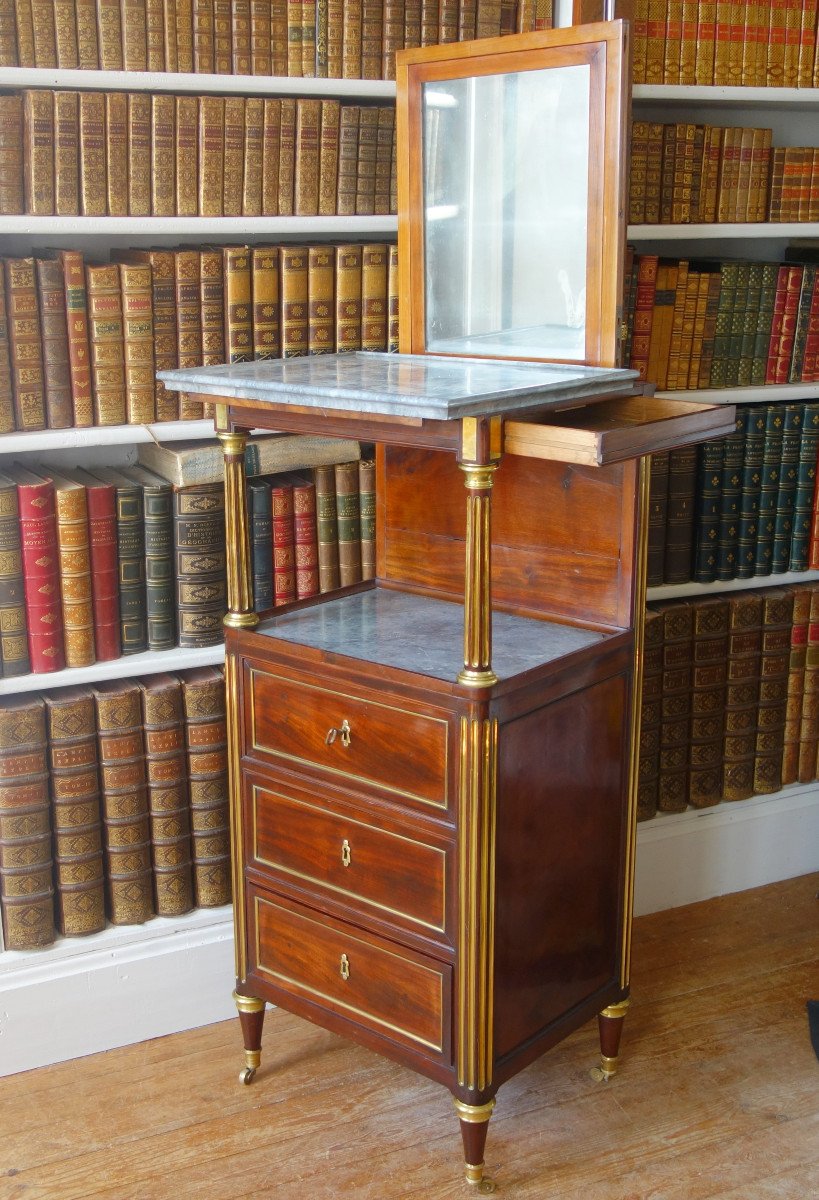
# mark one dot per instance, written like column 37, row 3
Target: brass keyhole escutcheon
column 344, row 732
column 344, row 968
column 346, row 853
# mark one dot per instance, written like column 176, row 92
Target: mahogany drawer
column 394, row 874
column 399, row 749
column 374, row 983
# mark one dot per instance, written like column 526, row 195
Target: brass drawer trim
column 332, row 887
column 303, row 987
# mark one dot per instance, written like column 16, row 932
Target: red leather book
column 41, row 569
column 284, row 551
column 305, row 538
column 102, row 527
column 786, row 339
column 776, row 323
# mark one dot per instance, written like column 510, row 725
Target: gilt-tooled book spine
column 769, row 489
column 392, row 37
column 24, row 24
column 75, row 571
column 130, row 561
column 11, row 155
column 102, row 529
column 321, row 300
column 254, row 157
column 722, row 330
column 306, row 178
column 38, row 151
column 748, row 523
column 163, row 304
column 467, row 11
column 793, row 415
column 348, row 513
column 371, row 37
column 54, row 334
column 184, row 35
column 260, row 50
column 169, row 27
column 212, row 301
column 138, row 336
column 294, row 272
column 238, row 304
column 805, row 489
column 305, row 539
column 796, row 684
column 742, row 695
column 392, row 301
column 700, row 315
column 709, row 330
column 809, row 724
column 367, row 151
column 328, row 157
column 13, row 626
column 777, row 622
column 66, row 154
column 643, row 312
column 293, row 38
column 93, row 186
column 26, row 864
column 737, row 325
column 203, row 692
column 802, row 322
column 160, row 592
column 25, row 344
column 366, row 497
column 678, row 629
column 163, row 151
column 807, row 47
column 675, row 339
column 203, row 43
column 109, row 35
column 187, row 172
column 374, row 260
column 124, row 792
column 87, row 43
column 732, row 478
column 348, row 297
column 79, row 353
column 351, row 40
column 75, row 811
column 383, row 159
column 107, row 346
column 211, row 155
column 168, row 804
column 187, row 269
column 671, row 47
column 327, row 528
column 308, row 39
column 662, row 322
column 708, row 681
column 134, row 35
column 139, row 154
column 348, row 159
column 284, row 547
column 708, row 499
column 38, row 543
column 278, row 37
column 234, row 156
column 266, row 307
column 240, row 36
column 787, row 333
column 322, row 18
column 199, row 560
column 765, row 314
column 261, row 542
column 650, row 717
column 45, row 38
column 271, row 146
column 448, row 17
column 688, row 42
column 657, row 511
column 155, row 35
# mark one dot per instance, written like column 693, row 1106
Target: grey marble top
column 422, row 634
column 405, row 385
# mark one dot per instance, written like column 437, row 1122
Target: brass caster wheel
column 598, row 1076
column 484, row 1187
column 247, row 1074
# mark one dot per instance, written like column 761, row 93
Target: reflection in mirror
column 506, row 180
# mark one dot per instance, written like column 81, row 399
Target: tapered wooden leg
column 474, row 1119
column 610, row 1022
column 251, row 1018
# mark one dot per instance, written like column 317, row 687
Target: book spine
column 139, row 154
column 222, row 38
column 708, row 686
column 109, row 35
column 75, row 575
column 203, row 43
column 206, row 740
column 163, row 154
column 657, row 512
column 211, row 155
column 261, row 62
column 102, row 530
column 266, row 307
column 777, row 623
column 261, row 543
column 188, row 322
column 321, row 293
column 45, row 36
column 748, row 525
column 328, row 157
column 393, row 34
column 678, row 626
column 796, row 685
column 138, row 349
column 87, row 43
column 792, row 415
column 66, row 154
column 254, row 158
column 187, row 167
column 234, row 156
column 134, row 35
column 809, row 723
column 648, row 775
column 238, row 305
column 327, row 528
column 741, row 694
column 169, row 27
column 24, row 23
column 184, row 35
column 41, row 575
column 13, row 626
column 159, row 555
column 643, row 312
column 682, row 474
column 306, row 177
column 383, row 159
column 38, row 152
column 78, row 347
column 54, row 335
column 372, row 16
column 107, row 347
column 25, row 345
column 392, row 302
column 93, row 181
column 367, row 151
column 366, row 498
column 305, row 539
column 732, row 463
column 348, row 514
column 351, row 40
column 155, row 35
column 805, row 489
column 308, row 39
column 199, row 558
column 212, row 301
column 348, row 297
column 166, row 355
column 768, row 490
column 168, row 805
column 271, row 147
column 374, row 261
column 11, row 155
column 284, row 543
column 347, row 159
column 240, row 36
column 131, row 566
column 708, row 499
column 294, row 272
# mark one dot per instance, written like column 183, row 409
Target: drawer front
column 399, row 750
column 377, row 984
column 394, row 875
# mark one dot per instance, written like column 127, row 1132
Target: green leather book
column 805, row 488
column 750, row 317
column 679, row 526
column 748, row 524
column 737, row 327
column 802, row 322
column 769, row 488
column 708, row 500
column 130, row 515
column 764, row 320
column 722, row 331
column 786, row 492
column 160, row 583
column 730, row 493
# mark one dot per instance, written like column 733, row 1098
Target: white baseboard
column 129, row 984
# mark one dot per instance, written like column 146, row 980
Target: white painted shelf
column 104, row 435
column 125, row 667
column 175, row 81
column 675, row 591
column 800, row 99
column 59, row 228
column 769, row 394
column 747, row 231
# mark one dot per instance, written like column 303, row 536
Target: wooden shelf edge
column 176, row 659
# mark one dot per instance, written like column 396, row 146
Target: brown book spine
column 38, row 151
column 8, row 37
column 261, row 62
column 199, row 553
column 25, row 345
column 448, row 18
column 648, row 772
column 271, row 147
column 169, row 33
column 287, row 158
column 266, row 304
column 306, row 182
column 138, row 335
column 93, row 187
column 75, row 811
column 75, row 572
column 109, row 35
column 13, row 625
column 335, row 38
column 328, row 157
column 116, row 153
column 203, row 693
column 107, row 349
column 134, row 35
column 294, row 39
column 124, row 796
column 383, row 160
column 54, row 334
column 155, row 35
column 203, row 40
column 163, row 304
column 777, row 622
column 66, row 154
column 366, row 500
column 87, row 43
column 348, row 297
column 238, row 305
column 24, row 25
column 708, row 679
column 211, row 155
column 431, row 17
column 348, row 514
column 367, row 152
column 392, row 302
column 184, row 35
column 374, row 260
column 234, row 156
column 11, row 155
column 327, row 528
column 187, row 173
column 45, row 35
column 372, row 19
column 222, row 38
column 321, row 32
column 348, row 159
column 79, row 358
column 6, row 386
column 678, row 628
column 139, row 154
column 188, row 322
column 163, row 154
column 809, row 722
column 351, row 40
column 796, row 685
column 308, row 39
column 240, row 34
column 212, row 300
column 321, row 292
column 26, row 886
column 294, row 266
column 254, row 152
column 278, row 37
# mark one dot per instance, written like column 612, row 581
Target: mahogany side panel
column 563, row 536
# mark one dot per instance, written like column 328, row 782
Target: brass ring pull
column 345, row 733
column 344, row 968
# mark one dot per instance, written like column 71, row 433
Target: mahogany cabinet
column 432, row 774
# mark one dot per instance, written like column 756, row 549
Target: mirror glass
column 506, row 180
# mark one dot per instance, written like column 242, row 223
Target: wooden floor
column 718, row 1095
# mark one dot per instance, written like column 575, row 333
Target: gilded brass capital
column 473, row 678
column 241, row 620
column 248, row 1004
column 232, row 443
column 475, row 1114
column 616, row 1011
column 478, row 477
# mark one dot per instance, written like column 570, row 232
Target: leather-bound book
column 163, row 306
column 348, row 297
column 11, row 155
column 212, row 302
column 769, row 489
column 184, row 35
column 271, row 148
column 366, row 499
column 41, row 573
column 211, row 155
column 708, row 684
column 203, row 44
column 328, row 157
column 169, row 33
column 238, row 304
column 75, row 570
column 104, row 299
column 163, row 156
column 79, row 354
column 7, row 421
column 124, row 794
column 679, row 530
column 253, row 163
column 321, row 300
column 134, row 35
column 266, row 305
column 38, row 151
column 383, row 159
column 748, row 524
column 295, row 298
column 348, row 514
column 168, row 805
column 101, row 501
column 260, row 50
column 294, row 28
column 25, row 344
column 430, row 21
column 793, row 415
column 708, row 498
column 809, row 724
column 348, row 159
column 322, row 23
column 741, row 694
column 240, row 36
column 448, row 20
column 24, row 28
column 54, row 334
column 199, row 562
column 155, row 35
column 66, row 154
column 650, row 717
column 731, row 491
column 284, row 547
column 657, row 512
column 777, row 622
column 14, row 658
column 374, row 260
column 188, row 322
column 222, row 38
column 234, row 156
column 203, row 693
column 764, row 321
column 678, row 632
column 803, row 312
column 392, row 301
column 65, row 34
column 327, row 528
column 805, row 488
column 306, row 180
column 287, row 157
column 796, row 684
column 26, row 887
column 87, row 41
column 308, row 39
column 335, row 38
column 260, row 519
column 365, row 167
column 138, row 339
column 372, row 19
column 186, row 169
column 109, row 35
column 647, row 266
column 305, row 538
column 79, row 866
column 130, row 560
column 278, row 37
column 160, row 590
column 709, row 332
